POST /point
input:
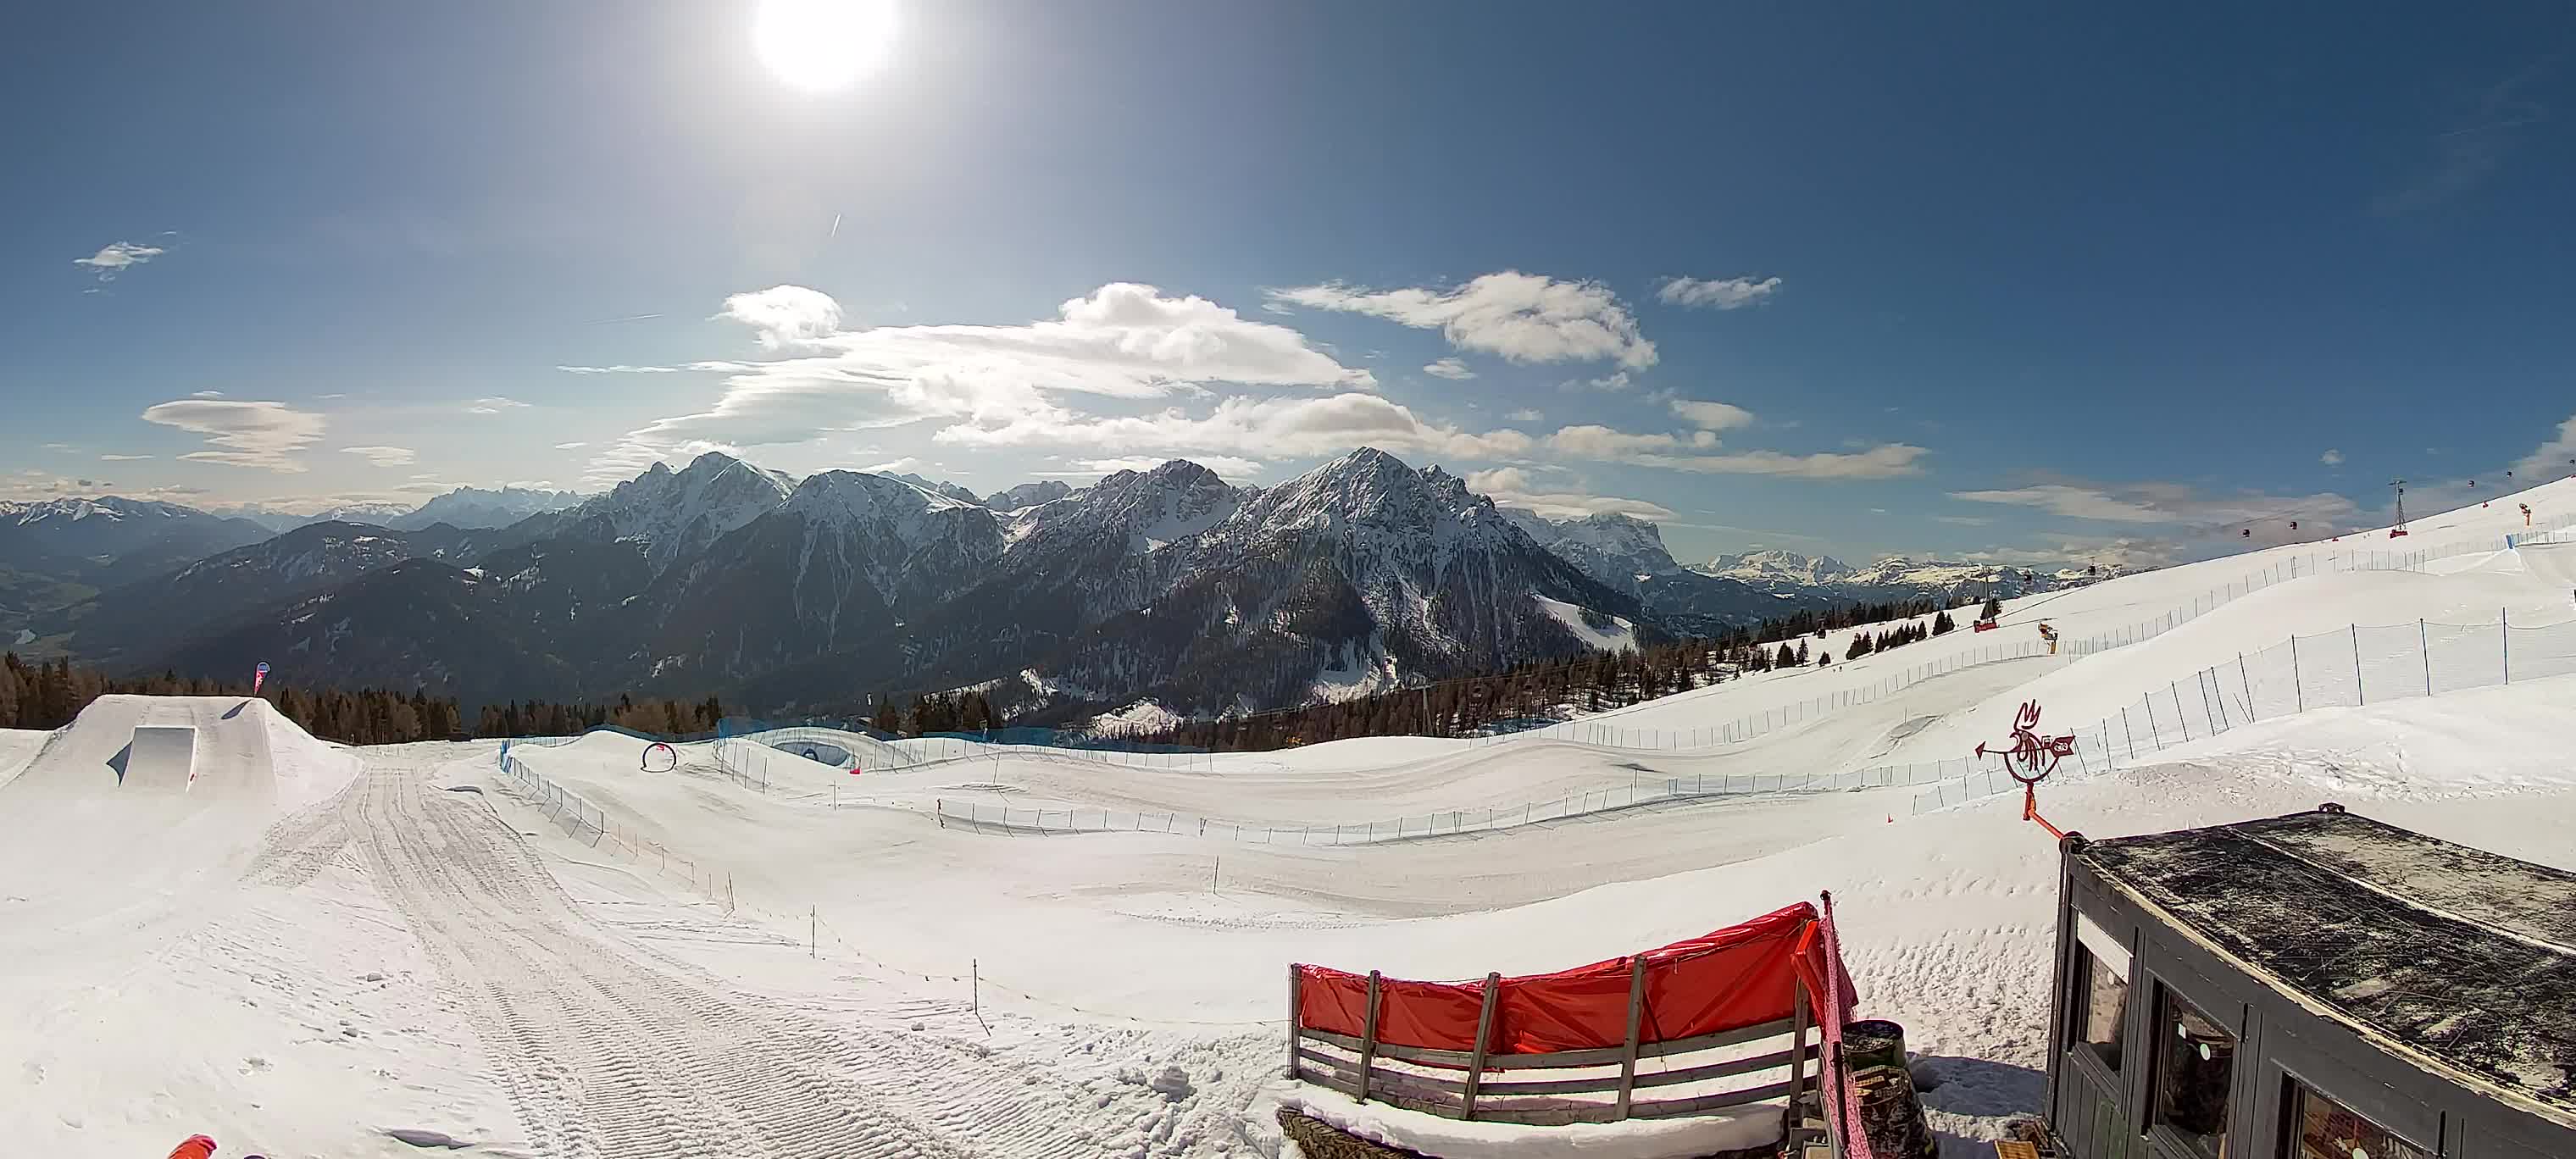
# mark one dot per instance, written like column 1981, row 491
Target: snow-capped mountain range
column 1777, row 567
column 472, row 508
column 783, row 594
column 1895, row 576
column 109, row 539
column 469, row 508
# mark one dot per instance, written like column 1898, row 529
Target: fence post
column 2154, row 734
column 2127, row 733
column 2248, row 683
column 1368, row 1039
column 1295, row 1029
column 1636, row 1015
column 2506, row 632
column 2174, row 688
column 2424, row 648
column 2298, row 686
column 1484, row 1038
column 2358, row 692
column 1797, row 1056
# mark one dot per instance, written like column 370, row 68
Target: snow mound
column 1618, row 636
column 244, row 753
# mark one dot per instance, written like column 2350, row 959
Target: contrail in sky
column 836, row 225
column 628, row 318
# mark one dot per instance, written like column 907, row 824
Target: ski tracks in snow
column 609, row 1050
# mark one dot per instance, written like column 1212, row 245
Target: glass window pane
column 2102, row 1008
column 2325, row 1129
column 2194, row 1066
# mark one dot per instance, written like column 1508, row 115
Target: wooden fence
column 1690, row 1076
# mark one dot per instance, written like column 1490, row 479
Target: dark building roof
column 2458, row 954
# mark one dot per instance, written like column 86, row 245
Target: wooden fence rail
column 1484, row 1085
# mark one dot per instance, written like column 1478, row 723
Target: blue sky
column 2020, row 281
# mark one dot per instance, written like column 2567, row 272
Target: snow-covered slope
column 528, row 950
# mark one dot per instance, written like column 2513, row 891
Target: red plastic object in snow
column 1983, row 626
column 1727, row 979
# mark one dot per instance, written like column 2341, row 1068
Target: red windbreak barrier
column 1740, row 976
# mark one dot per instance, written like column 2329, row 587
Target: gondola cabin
column 2316, row 986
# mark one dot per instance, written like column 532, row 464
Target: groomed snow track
column 610, row 1051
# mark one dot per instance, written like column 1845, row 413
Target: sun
column 822, row 44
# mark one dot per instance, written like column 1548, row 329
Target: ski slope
column 315, row 950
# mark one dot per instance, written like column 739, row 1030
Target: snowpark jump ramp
column 2553, row 563
column 133, row 774
column 214, row 747
column 159, row 757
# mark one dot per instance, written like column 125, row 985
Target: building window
column 2102, row 994
column 2322, row 1128
column 2194, row 1067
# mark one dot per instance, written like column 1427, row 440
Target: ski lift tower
column 2400, row 529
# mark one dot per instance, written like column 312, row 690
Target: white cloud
column 34, row 484
column 1512, row 487
column 1525, row 415
column 491, row 406
column 2171, row 504
column 122, row 458
column 1886, row 461
column 1963, row 520
column 63, row 448
column 1672, row 452
column 251, row 434
column 2551, row 460
column 1712, row 416
column 1451, row 369
column 116, row 257
column 2331, row 458
column 383, row 456
column 570, row 446
column 1245, row 426
column 1715, row 293
column 1122, row 341
column 1525, row 318
column 897, row 467
column 784, row 316
column 1593, row 441
column 621, row 368
column 207, row 394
